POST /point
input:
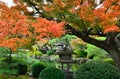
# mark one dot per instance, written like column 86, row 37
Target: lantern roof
column 65, row 51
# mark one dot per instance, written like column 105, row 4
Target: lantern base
column 68, row 74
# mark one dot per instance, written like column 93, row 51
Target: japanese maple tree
column 86, row 17
column 17, row 28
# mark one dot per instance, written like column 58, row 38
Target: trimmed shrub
column 22, row 69
column 36, row 69
column 97, row 70
column 18, row 66
column 51, row 73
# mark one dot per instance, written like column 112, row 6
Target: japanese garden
column 60, row 39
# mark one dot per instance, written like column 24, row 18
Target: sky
column 8, row 2
column 11, row 3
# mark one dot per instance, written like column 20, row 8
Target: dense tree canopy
column 17, row 29
column 82, row 14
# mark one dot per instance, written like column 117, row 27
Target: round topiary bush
column 51, row 73
column 97, row 70
column 36, row 69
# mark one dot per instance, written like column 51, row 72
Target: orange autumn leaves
column 111, row 28
column 13, row 43
column 15, row 28
column 45, row 28
column 106, row 14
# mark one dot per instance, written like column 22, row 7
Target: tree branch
column 111, row 37
column 34, row 6
column 86, row 38
column 81, row 2
column 111, row 5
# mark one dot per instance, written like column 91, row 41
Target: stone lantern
column 65, row 55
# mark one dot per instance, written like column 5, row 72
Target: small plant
column 97, row 70
column 37, row 68
column 51, row 73
column 50, row 52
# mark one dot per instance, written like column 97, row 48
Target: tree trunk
column 111, row 44
column 115, row 54
column 10, row 57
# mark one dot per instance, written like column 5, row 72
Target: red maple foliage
column 45, row 28
column 15, row 28
column 102, row 12
column 111, row 28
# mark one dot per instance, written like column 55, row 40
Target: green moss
column 14, row 77
column 93, row 51
column 80, row 53
column 109, row 60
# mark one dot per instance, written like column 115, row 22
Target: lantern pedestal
column 68, row 74
column 67, row 63
column 65, row 56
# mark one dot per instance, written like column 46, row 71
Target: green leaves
column 4, row 51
